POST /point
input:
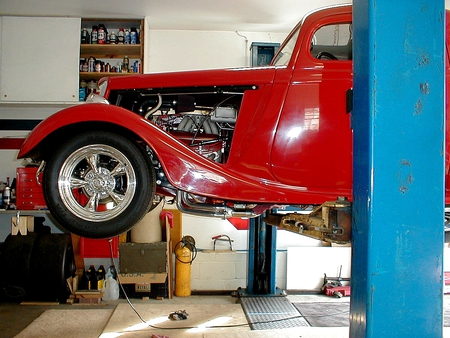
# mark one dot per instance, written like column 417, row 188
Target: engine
column 203, row 131
column 203, row 119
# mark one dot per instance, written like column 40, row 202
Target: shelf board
column 110, row 51
column 99, row 75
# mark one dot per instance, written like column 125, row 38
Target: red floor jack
column 332, row 286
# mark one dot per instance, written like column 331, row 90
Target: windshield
column 284, row 54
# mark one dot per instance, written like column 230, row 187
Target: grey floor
column 15, row 317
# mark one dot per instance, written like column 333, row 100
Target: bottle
column 100, row 277
column 94, row 34
column 82, row 94
column 127, row 37
column 110, row 289
column 84, row 281
column 126, row 64
column 112, row 271
column 91, row 64
column 7, row 194
column 133, row 36
column 120, row 36
column 13, row 192
column 92, row 278
column 92, row 87
column 98, row 66
column 85, row 66
column 112, row 38
column 85, row 38
column 101, row 34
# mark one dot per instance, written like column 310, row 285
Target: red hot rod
column 222, row 143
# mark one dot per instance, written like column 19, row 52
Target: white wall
column 224, row 270
column 172, row 50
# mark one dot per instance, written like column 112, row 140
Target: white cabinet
column 39, row 59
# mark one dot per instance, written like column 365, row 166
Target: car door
column 313, row 143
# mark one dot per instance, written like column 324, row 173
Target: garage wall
column 185, row 50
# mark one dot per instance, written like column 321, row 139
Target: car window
column 332, row 42
column 284, row 54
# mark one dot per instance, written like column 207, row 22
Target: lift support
column 398, row 169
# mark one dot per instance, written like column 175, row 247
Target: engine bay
column 203, row 119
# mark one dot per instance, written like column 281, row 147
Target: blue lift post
column 261, row 258
column 398, row 207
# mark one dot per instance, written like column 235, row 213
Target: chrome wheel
column 99, row 184
column 96, row 183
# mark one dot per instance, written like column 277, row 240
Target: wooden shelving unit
column 112, row 53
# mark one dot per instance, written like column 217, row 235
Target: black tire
column 99, row 184
column 51, row 264
column 15, row 260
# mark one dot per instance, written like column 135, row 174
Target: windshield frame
column 287, row 47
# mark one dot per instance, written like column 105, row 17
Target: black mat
column 326, row 314
column 266, row 313
column 336, row 314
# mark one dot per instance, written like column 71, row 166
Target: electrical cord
column 195, row 327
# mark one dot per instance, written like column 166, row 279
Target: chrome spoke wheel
column 96, row 182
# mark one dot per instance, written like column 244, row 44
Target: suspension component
column 329, row 222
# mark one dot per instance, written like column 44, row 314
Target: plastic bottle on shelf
column 85, row 66
column 120, row 36
column 94, row 35
column 85, row 38
column 91, row 64
column 7, row 194
column 13, row 193
column 127, row 37
column 126, row 64
column 101, row 34
column 133, row 36
column 113, row 38
column 82, row 94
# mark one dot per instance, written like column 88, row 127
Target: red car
column 223, row 143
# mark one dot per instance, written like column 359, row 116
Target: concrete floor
column 15, row 317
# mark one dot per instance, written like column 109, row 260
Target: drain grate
column 268, row 313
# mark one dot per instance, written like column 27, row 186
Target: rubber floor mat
column 326, row 314
column 267, row 313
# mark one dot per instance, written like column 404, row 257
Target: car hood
column 217, row 77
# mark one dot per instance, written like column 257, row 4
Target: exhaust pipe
column 222, row 212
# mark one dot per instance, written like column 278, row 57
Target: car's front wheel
column 99, row 184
